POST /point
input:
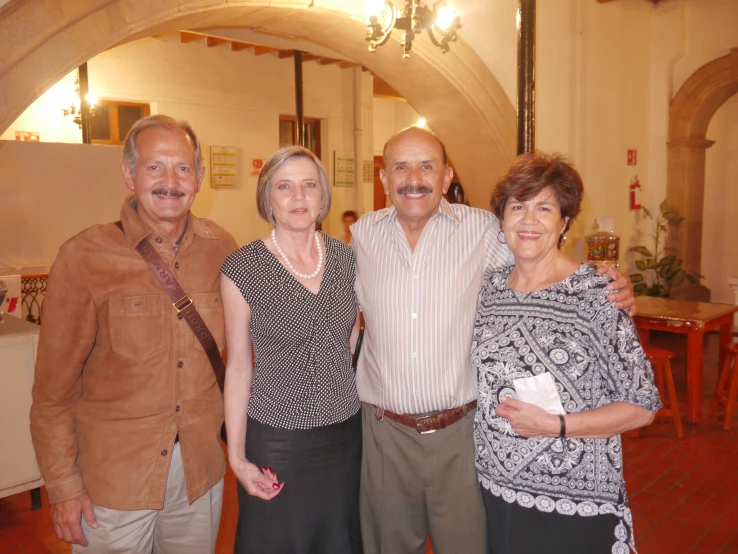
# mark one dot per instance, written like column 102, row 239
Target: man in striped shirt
column 420, row 267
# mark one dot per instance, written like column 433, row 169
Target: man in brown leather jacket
column 126, row 409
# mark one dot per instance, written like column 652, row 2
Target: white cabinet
column 18, row 469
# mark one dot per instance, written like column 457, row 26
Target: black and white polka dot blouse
column 303, row 376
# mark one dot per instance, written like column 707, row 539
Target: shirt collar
column 136, row 229
column 444, row 209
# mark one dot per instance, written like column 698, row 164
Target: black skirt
column 513, row 529
column 317, row 511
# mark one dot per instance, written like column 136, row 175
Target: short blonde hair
column 272, row 165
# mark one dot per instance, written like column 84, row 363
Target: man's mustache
column 414, row 189
column 163, row 191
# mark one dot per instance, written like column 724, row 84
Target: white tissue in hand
column 541, row 391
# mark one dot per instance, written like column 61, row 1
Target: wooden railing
column 33, row 291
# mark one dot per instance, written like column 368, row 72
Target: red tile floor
column 683, row 493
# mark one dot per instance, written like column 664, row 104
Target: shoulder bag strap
column 183, row 304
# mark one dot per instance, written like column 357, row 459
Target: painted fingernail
column 264, row 468
column 276, row 486
column 270, row 469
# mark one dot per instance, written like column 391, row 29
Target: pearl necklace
column 289, row 264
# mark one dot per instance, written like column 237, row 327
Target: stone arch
column 41, row 41
column 690, row 113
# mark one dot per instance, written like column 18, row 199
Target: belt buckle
column 184, row 302
column 417, row 425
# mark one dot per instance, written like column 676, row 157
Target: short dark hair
column 350, row 213
column 532, row 172
column 422, row 130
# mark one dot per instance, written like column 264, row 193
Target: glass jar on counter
column 603, row 245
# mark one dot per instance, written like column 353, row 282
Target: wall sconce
column 441, row 22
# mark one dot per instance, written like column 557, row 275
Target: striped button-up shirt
column 419, row 306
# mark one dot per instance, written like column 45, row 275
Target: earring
column 501, row 237
column 562, row 240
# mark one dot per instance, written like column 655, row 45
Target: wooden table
column 692, row 319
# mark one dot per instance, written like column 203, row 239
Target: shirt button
column 415, row 316
column 176, row 265
column 180, row 365
column 416, row 393
column 177, row 408
column 163, row 452
column 158, row 240
column 414, row 355
column 179, row 316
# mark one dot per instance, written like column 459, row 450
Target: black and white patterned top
column 593, row 353
column 303, row 376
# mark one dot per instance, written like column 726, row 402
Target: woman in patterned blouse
column 294, row 428
column 552, row 479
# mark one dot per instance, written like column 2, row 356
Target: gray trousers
column 413, row 484
column 179, row 528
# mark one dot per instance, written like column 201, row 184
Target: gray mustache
column 414, row 189
column 161, row 191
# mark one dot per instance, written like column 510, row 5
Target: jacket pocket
column 137, row 325
column 210, row 307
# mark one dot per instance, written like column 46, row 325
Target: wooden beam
column 328, row 61
column 603, row 1
column 345, row 65
column 259, row 50
column 383, row 90
column 285, row 54
column 310, row 57
column 165, row 34
column 214, row 41
column 238, row 46
column 185, row 37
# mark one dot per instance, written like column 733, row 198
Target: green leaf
column 645, row 211
column 675, row 222
column 641, row 265
column 664, row 207
column 636, row 278
column 643, row 251
column 678, row 278
column 651, row 263
column 640, row 289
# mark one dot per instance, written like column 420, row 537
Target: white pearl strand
column 312, row 275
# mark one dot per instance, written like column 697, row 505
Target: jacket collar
column 136, row 229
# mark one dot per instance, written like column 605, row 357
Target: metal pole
column 300, row 124
column 84, row 105
column 526, row 106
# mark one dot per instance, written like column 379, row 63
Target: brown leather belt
column 429, row 423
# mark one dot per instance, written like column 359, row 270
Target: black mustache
column 414, row 189
column 161, row 191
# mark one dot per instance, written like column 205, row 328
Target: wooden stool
column 660, row 360
column 726, row 391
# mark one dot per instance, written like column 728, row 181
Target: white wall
column 720, row 228
column 51, row 191
column 388, row 117
column 231, row 99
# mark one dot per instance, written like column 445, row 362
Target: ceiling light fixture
column 441, row 22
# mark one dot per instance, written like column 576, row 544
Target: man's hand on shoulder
column 67, row 518
column 624, row 298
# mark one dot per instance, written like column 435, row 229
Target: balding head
column 409, row 131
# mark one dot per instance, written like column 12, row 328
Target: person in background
column 552, row 479
column 349, row 218
column 419, row 268
column 126, row 408
column 294, row 429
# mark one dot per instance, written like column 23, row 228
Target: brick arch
column 689, row 115
column 41, row 41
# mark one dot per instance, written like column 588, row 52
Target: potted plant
column 658, row 270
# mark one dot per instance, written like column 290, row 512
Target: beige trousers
column 413, row 484
column 179, row 528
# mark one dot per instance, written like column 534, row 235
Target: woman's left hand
column 527, row 419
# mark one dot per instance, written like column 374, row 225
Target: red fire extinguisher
column 635, row 194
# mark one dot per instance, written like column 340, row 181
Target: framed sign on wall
column 223, row 169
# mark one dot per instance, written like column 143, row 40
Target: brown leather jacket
column 118, row 374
